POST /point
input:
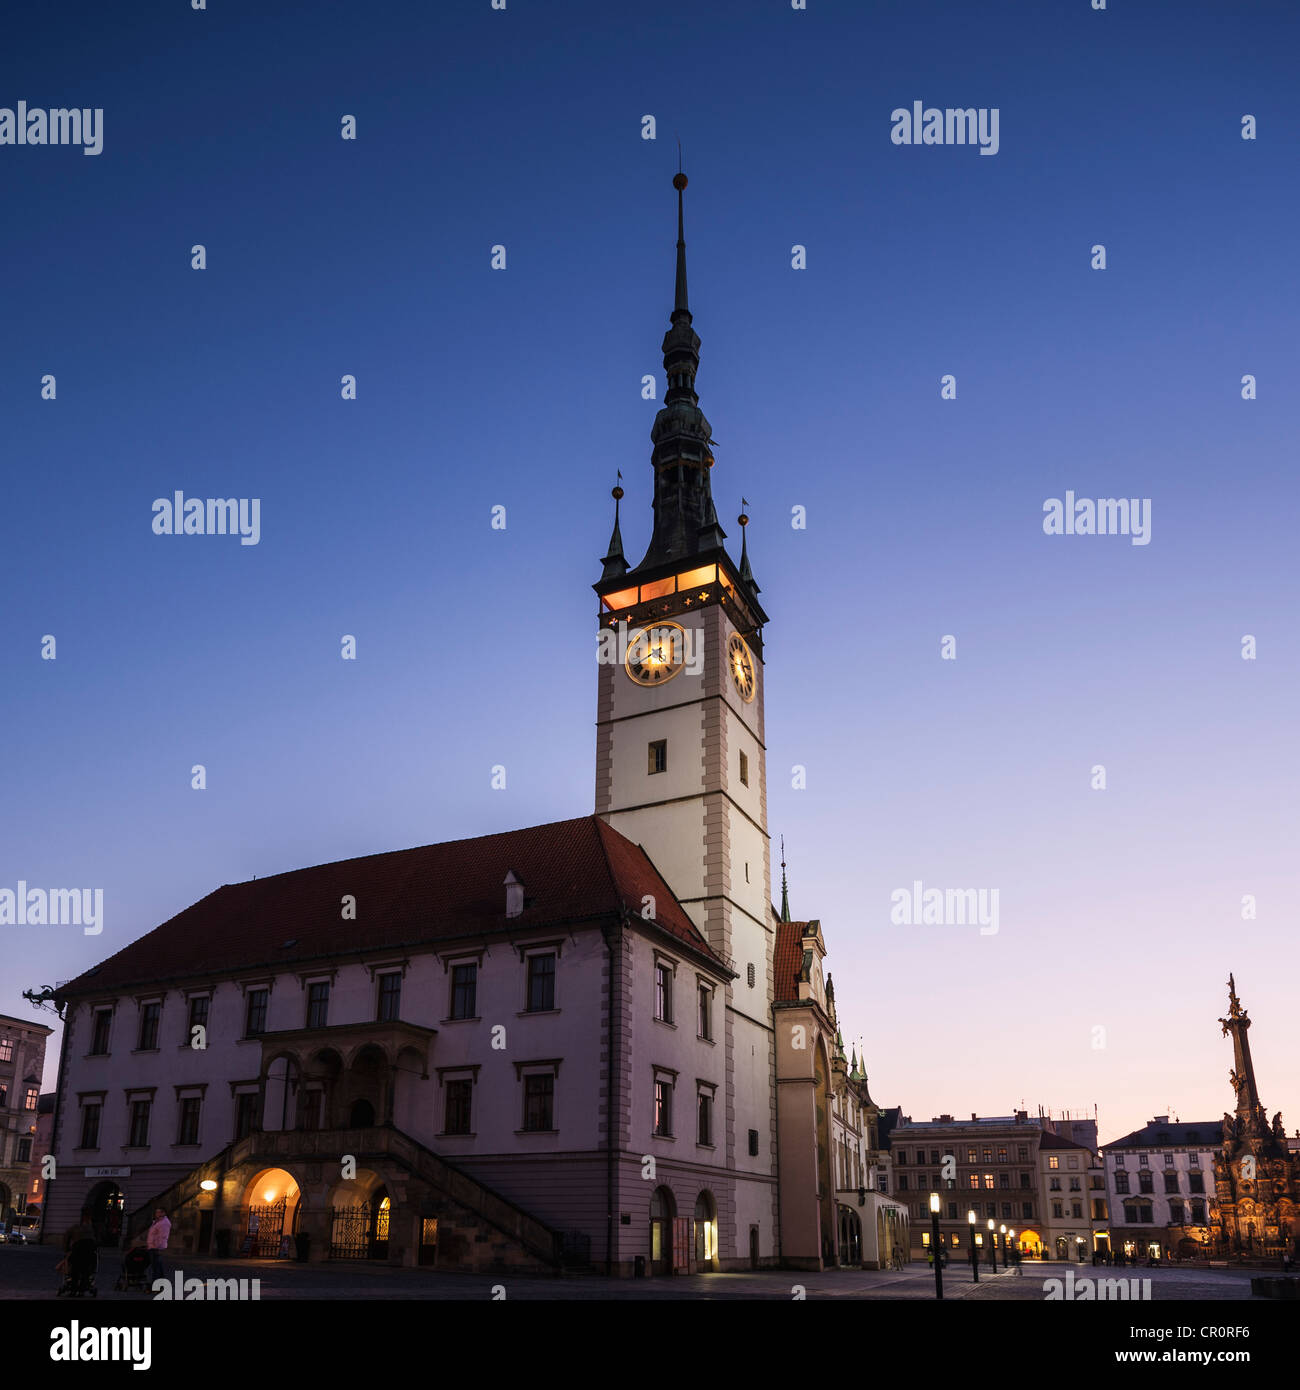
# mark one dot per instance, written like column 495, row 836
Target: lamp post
column 974, row 1253
column 993, row 1246
column 936, row 1251
column 1014, row 1256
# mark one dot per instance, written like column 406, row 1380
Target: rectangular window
column 390, row 997
column 24, row 1153
column 753, row 1143
column 464, row 989
column 1076, row 1210
column 663, row 1107
column 1197, row 1181
column 1171, row 1182
column 988, row 1154
column 1194, row 1159
column 198, row 1016
column 1053, row 1161
column 657, row 760
column 457, row 1117
column 1121, row 1182
column 1027, row 1210
column 1073, row 1160
column 1024, row 1180
column 902, row 1156
column 255, row 1014
column 1198, row 1213
column 1056, row 1209
column 1054, row 1184
column 1142, row 1161
column 188, row 1133
column 149, row 1015
column 139, row 1136
column 1022, row 1152
column 245, row 1113
column 318, row 1003
column 1004, row 1179
column 539, row 1102
column 744, row 769
column 663, row 993
column 1146, row 1182
column 974, row 1180
column 6, row 1049
column 952, row 1211
column 103, row 1022
column 1075, row 1185
column 1002, row 1153
column 971, row 1156
column 1119, row 1160
column 991, row 1209
column 31, row 1097
column 706, row 1117
column 90, row 1126
column 706, row 1013
column 541, row 983
column 934, row 1157
column 4, row 1097
column 1169, row 1160
column 988, row 1180
column 1006, row 1208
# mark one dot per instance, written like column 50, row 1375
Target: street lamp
column 974, row 1254
column 936, row 1251
column 993, row 1247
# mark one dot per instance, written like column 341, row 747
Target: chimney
column 973, row 1115
column 514, row 895
column 1160, row 1120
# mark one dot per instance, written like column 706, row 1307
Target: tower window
column 658, row 759
column 749, row 974
column 744, row 769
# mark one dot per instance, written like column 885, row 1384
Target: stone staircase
column 371, row 1147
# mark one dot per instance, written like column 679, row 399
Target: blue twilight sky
column 1119, row 909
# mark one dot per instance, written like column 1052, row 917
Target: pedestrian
column 156, row 1241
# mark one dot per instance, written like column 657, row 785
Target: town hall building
column 551, row 1047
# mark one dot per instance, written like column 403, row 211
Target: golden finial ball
column 617, row 494
column 743, row 519
column 679, row 182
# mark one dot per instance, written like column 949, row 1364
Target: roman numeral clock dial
column 656, row 654
column 740, row 662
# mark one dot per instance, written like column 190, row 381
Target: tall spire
column 615, row 561
column 785, row 891
column 686, row 523
column 1250, row 1112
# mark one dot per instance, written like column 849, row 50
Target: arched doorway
column 1062, row 1248
column 663, row 1211
column 102, row 1212
column 706, row 1232
column 271, row 1206
column 1031, row 1244
column 367, row 1088
column 361, row 1115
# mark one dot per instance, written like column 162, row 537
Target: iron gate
column 265, row 1230
column 350, row 1232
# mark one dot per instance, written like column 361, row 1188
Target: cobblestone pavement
column 28, row 1273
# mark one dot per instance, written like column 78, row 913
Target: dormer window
column 514, row 895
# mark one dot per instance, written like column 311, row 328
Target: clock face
column 740, row 662
column 656, row 654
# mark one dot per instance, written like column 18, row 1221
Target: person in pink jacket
column 156, row 1241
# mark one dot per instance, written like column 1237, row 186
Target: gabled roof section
column 788, row 961
column 575, row 871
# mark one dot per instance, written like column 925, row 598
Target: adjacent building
column 1160, row 1189
column 22, row 1062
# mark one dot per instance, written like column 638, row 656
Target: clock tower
column 680, row 761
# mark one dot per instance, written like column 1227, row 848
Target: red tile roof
column 572, row 871
column 787, row 960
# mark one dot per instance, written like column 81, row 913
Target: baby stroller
column 78, row 1268
column 135, row 1268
